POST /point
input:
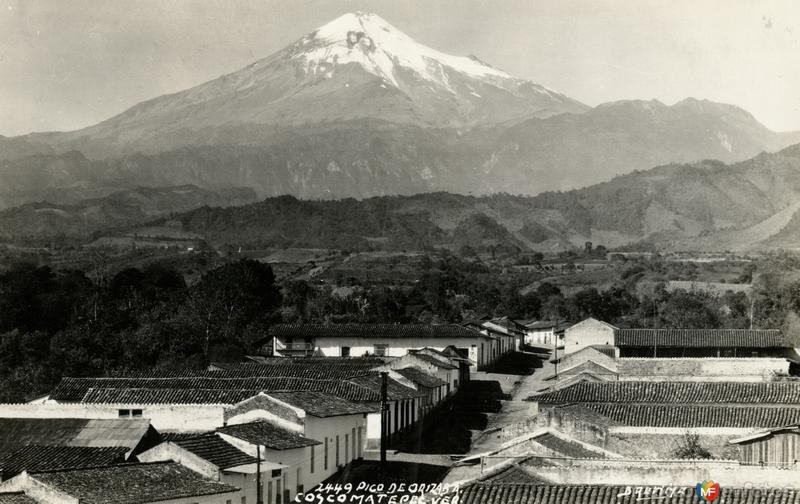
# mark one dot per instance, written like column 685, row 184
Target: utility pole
column 384, row 418
column 555, row 347
column 259, row 493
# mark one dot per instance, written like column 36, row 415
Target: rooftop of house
column 766, row 433
column 16, row 498
column 420, row 377
column 514, row 474
column 395, row 390
column 430, row 359
column 203, row 388
column 268, row 434
column 326, row 368
column 132, row 483
column 18, row 432
column 35, row 458
column 323, row 405
column 686, row 415
column 701, row 338
column 537, row 493
column 756, row 393
column 368, row 331
column 216, row 450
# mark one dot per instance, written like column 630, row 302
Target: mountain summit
column 357, row 67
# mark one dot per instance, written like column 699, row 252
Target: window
column 244, row 500
column 345, row 351
column 278, row 495
column 228, row 501
column 124, row 413
column 325, row 459
column 312, row 459
column 136, row 413
column 380, row 350
column 337, row 450
column 346, row 448
column 276, row 473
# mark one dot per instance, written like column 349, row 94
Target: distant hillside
column 700, row 206
column 44, row 220
column 704, row 206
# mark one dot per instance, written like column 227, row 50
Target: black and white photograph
column 399, row 251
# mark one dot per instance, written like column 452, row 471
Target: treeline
column 56, row 323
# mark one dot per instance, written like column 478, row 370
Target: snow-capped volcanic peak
column 380, row 48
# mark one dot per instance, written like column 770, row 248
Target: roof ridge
column 113, row 466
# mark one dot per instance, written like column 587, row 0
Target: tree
column 690, row 448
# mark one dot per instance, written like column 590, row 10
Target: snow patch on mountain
column 379, row 47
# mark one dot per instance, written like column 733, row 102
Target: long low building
column 387, row 340
column 687, row 342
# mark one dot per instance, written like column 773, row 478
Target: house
column 703, row 343
column 779, row 446
column 587, row 333
column 434, row 363
column 653, row 343
column 513, row 332
column 435, row 389
column 502, row 341
column 545, row 333
column 386, row 340
column 122, row 484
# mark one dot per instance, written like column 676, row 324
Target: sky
column 70, row 64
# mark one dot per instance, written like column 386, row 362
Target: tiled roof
column 76, row 389
column 503, row 493
column 694, row 338
column 323, row 405
column 682, row 415
column 166, row 396
column 315, row 368
column 15, row 498
column 37, row 458
column 16, row 432
column 676, row 392
column 216, row 450
column 267, row 434
column 420, row 377
column 423, row 331
column 394, row 390
column 132, row 483
column 433, row 360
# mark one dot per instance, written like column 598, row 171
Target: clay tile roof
column 682, row 415
column 688, row 338
column 35, row 458
column 268, row 434
column 322, row 405
column 420, row 377
column 433, row 360
column 676, row 392
column 527, row 493
column 216, row 450
column 18, row 432
column 166, row 396
column 132, row 483
column 424, row 331
column 15, row 498
column 395, row 390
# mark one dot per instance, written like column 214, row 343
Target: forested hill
column 710, row 205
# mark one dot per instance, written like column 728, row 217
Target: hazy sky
column 69, row 64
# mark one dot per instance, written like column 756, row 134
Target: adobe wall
column 667, row 473
column 701, row 368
